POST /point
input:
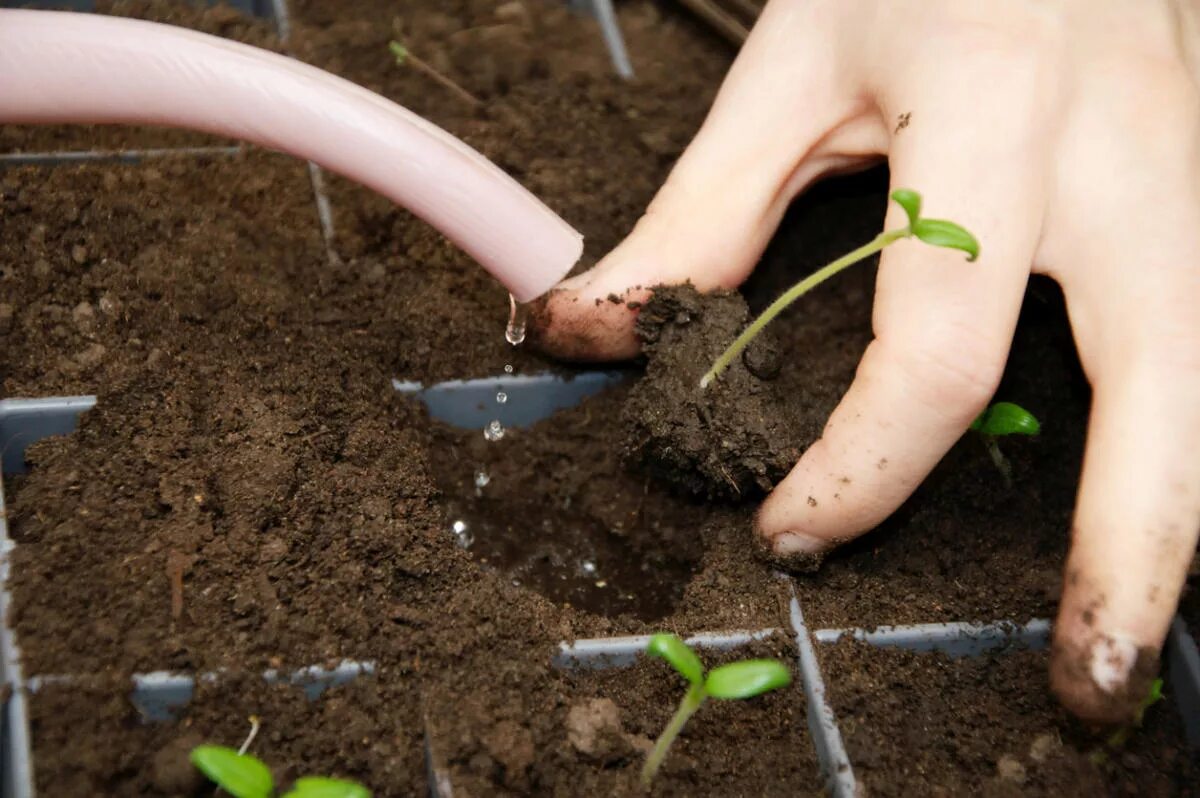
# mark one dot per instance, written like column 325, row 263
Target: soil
column 250, row 493
column 926, row 724
column 112, row 750
column 614, row 713
column 736, row 438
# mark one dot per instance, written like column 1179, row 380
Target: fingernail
column 787, row 543
column 1113, row 658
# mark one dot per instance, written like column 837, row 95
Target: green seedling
column 1000, row 420
column 736, row 680
column 937, row 232
column 1121, row 735
column 245, row 776
column 405, row 57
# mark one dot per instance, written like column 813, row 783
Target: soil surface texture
column 250, row 493
column 734, row 439
column 926, row 724
column 613, row 715
column 112, row 750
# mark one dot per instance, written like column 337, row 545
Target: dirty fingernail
column 1113, row 658
column 790, row 543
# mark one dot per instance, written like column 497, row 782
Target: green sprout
column 1121, row 735
column 245, row 776
column 999, row 420
column 736, row 680
column 937, row 232
column 406, row 57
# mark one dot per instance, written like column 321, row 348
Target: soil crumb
column 732, row 440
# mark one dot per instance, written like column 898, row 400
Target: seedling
column 938, row 232
column 999, row 420
column 744, row 679
column 1121, row 735
column 245, row 776
column 404, row 57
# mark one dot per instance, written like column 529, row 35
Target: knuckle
column 953, row 366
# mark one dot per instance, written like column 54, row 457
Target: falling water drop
column 588, row 568
column 508, row 369
column 462, row 535
column 494, row 431
column 482, row 479
column 501, row 397
column 518, row 315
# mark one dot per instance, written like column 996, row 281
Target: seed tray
column 471, row 403
column 159, row 695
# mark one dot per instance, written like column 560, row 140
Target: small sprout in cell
column 736, row 680
column 1118, row 738
column 405, row 57
column 936, row 232
column 242, row 775
column 1000, row 420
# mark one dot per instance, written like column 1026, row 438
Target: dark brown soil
column 779, row 762
column 926, row 724
column 758, row 747
column 369, row 729
column 1189, row 605
column 736, row 438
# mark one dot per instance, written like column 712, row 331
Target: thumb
column 786, row 114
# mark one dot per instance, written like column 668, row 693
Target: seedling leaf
column 1153, row 697
column 680, row 657
column 910, row 201
column 941, row 233
column 399, row 51
column 747, row 678
column 240, row 775
column 1006, row 418
column 321, row 787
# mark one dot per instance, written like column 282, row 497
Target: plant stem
column 404, row 55
column 999, row 459
column 690, row 703
column 795, row 292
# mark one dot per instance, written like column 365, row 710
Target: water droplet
column 601, row 583
column 516, row 583
column 501, row 397
column 508, row 369
column 462, row 535
column 588, row 568
column 518, row 315
column 482, row 479
column 494, row 431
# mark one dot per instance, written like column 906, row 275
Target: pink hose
column 64, row 67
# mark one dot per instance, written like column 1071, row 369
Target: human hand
column 1065, row 135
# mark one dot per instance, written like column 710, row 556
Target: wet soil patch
column 368, row 730
column 582, row 531
column 923, row 723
